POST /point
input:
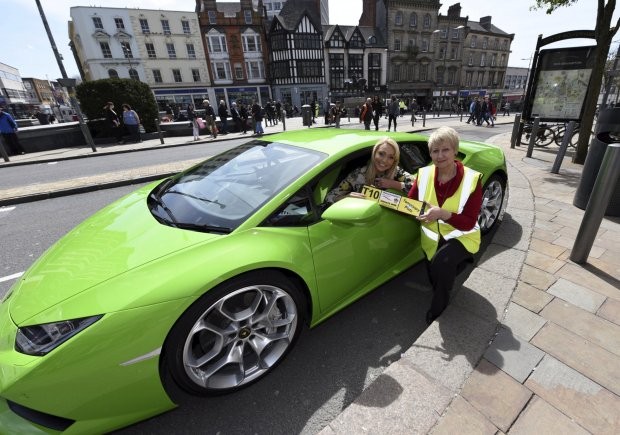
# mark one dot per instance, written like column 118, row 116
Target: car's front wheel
column 234, row 334
column 493, row 194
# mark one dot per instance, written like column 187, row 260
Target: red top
column 466, row 220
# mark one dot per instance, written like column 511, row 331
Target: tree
column 604, row 34
column 93, row 95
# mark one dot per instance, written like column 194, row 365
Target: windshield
column 221, row 193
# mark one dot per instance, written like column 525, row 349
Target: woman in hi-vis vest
column 449, row 231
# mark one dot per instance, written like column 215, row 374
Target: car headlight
column 39, row 340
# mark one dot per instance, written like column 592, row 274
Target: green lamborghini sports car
column 204, row 280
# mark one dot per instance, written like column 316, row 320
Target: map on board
column 561, row 93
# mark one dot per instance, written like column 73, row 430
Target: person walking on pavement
column 8, row 129
column 326, row 109
column 132, row 122
column 243, row 114
column 336, row 113
column 210, row 118
column 366, row 115
column 114, row 122
column 472, row 107
column 222, row 111
column 236, row 117
column 257, row 114
column 193, row 119
column 506, row 109
column 478, row 111
column 393, row 113
column 377, row 109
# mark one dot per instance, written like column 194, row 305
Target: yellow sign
column 394, row 201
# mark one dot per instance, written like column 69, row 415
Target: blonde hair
column 371, row 172
column 444, row 135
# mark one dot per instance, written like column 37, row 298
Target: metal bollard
column 530, row 146
column 602, row 191
column 568, row 133
column 516, row 129
column 283, row 120
column 159, row 132
column 461, row 115
column 424, row 118
column 5, row 155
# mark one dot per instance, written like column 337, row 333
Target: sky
column 26, row 46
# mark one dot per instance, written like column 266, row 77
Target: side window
column 297, row 211
column 413, row 156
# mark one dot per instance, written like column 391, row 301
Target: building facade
column 13, row 93
column 161, row 48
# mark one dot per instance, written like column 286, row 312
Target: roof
column 293, row 10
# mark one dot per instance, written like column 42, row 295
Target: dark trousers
column 134, row 132
column 390, row 119
column 375, row 119
column 442, row 271
column 12, row 142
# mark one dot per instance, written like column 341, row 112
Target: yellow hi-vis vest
column 430, row 232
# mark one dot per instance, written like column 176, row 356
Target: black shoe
column 430, row 317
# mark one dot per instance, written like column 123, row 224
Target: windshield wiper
column 203, row 228
column 199, row 198
column 173, row 221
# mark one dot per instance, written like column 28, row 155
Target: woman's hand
column 386, row 183
column 433, row 214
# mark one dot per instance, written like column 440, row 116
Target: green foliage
column 93, row 96
column 551, row 5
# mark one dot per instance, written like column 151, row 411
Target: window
column 456, row 33
column 451, row 76
column 98, row 24
column 255, row 69
column 251, row 43
column 396, row 44
column 424, row 44
column 505, row 45
column 442, row 53
column 468, row 76
column 212, row 17
column 221, row 70
column 356, row 66
column 196, row 75
column 496, row 44
column 119, row 23
column 473, row 41
column 310, row 68
column 493, row 59
column 176, row 75
column 410, row 72
column 453, row 54
column 427, row 21
column 248, row 16
column 411, row 43
column 471, row 60
column 485, row 43
column 105, row 50
column 133, row 74
column 336, row 70
column 238, row 71
column 424, row 72
column 157, row 76
column 185, row 26
column 144, row 25
column 165, row 26
column 502, row 61
column 172, row 53
column 150, row 50
column 398, row 19
column 357, row 41
column 439, row 75
column 413, row 20
column 483, row 59
column 396, row 73
column 112, row 73
column 217, row 44
column 191, row 51
column 336, row 40
column 127, row 50
column 480, row 78
column 444, row 33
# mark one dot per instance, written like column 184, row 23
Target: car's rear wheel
column 234, row 334
column 493, row 194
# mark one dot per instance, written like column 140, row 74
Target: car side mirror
column 352, row 211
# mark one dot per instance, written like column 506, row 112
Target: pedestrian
column 506, row 109
column 478, row 111
column 193, row 120
column 366, row 114
column 315, row 110
column 258, row 115
column 131, row 120
column 487, row 112
column 336, row 113
column 326, row 110
column 222, row 112
column 278, row 107
column 113, row 121
column 472, row 106
column 450, row 233
column 377, row 109
column 243, row 114
column 8, row 129
column 393, row 113
column 210, row 118
column 43, row 118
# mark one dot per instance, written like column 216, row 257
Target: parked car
column 203, row 281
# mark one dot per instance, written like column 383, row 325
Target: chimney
column 369, row 14
column 485, row 22
column 454, row 11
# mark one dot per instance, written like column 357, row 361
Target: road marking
column 10, row 277
column 6, row 209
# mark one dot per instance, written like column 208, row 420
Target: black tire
column 234, row 334
column 544, row 137
column 493, row 196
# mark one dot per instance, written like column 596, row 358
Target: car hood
column 117, row 239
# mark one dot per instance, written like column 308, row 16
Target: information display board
column 394, row 201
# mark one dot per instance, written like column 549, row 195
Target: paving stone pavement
column 530, row 343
